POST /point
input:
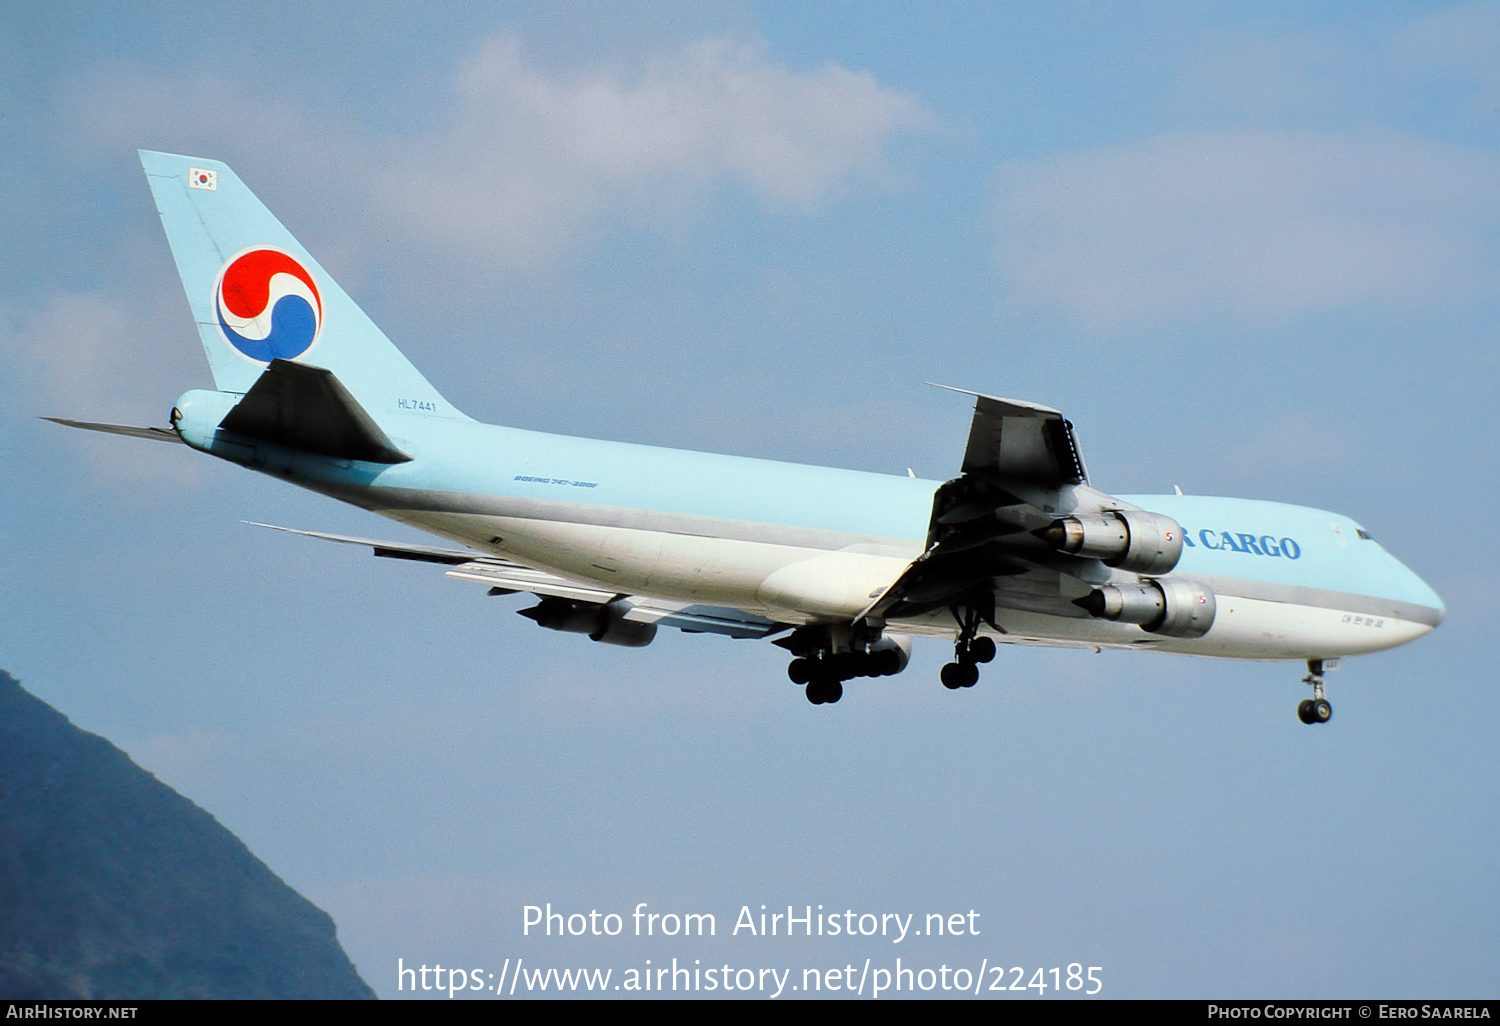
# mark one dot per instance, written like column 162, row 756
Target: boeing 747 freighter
column 840, row 568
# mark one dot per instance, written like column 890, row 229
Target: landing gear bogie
column 969, row 650
column 828, row 655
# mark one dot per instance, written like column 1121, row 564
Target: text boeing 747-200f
column 842, row 568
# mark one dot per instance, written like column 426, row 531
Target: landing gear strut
column 1316, row 709
column 968, row 651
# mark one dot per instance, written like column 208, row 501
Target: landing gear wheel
column 1322, row 711
column 823, row 691
column 1305, row 711
column 982, row 650
column 959, row 675
column 800, row 670
column 952, row 676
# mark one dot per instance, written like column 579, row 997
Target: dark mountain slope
column 112, row 885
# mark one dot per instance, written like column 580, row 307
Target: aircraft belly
column 1248, row 628
column 832, row 584
column 1243, row 629
column 791, row 583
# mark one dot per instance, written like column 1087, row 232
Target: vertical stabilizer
column 258, row 296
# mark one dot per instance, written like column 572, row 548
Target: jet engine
column 601, row 622
column 1172, row 606
column 1131, row 539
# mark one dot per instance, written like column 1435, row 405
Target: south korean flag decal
column 198, row 178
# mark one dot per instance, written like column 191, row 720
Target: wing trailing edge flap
column 697, row 619
column 507, row 576
column 685, row 616
column 305, row 407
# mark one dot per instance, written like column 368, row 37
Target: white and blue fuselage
column 617, row 539
column 799, row 544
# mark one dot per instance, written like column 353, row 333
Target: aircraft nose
column 1426, row 597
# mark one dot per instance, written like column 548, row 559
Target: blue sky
column 1248, row 249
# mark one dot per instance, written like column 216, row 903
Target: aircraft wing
column 1022, row 469
column 507, row 577
column 1021, row 441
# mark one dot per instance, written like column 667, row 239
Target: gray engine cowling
column 1131, row 539
column 601, row 622
column 1171, row 606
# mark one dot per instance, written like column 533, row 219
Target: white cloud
column 86, row 357
column 1255, row 224
column 515, row 160
column 80, row 344
column 528, row 157
column 91, row 356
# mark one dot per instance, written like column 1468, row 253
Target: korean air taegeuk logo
column 268, row 305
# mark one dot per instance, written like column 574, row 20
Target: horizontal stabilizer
column 154, row 433
column 305, row 407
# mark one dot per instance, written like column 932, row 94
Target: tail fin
column 258, row 296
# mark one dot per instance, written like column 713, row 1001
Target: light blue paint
column 209, row 227
column 1360, row 567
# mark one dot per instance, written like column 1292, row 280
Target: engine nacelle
column 601, row 622
column 1131, row 539
column 889, row 655
column 1172, row 606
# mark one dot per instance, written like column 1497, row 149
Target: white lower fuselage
column 798, row 584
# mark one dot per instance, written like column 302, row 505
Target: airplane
column 841, row 568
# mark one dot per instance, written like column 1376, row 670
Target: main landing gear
column 1316, row 709
column 828, row 656
column 968, row 652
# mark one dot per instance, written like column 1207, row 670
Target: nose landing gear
column 1316, row 709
